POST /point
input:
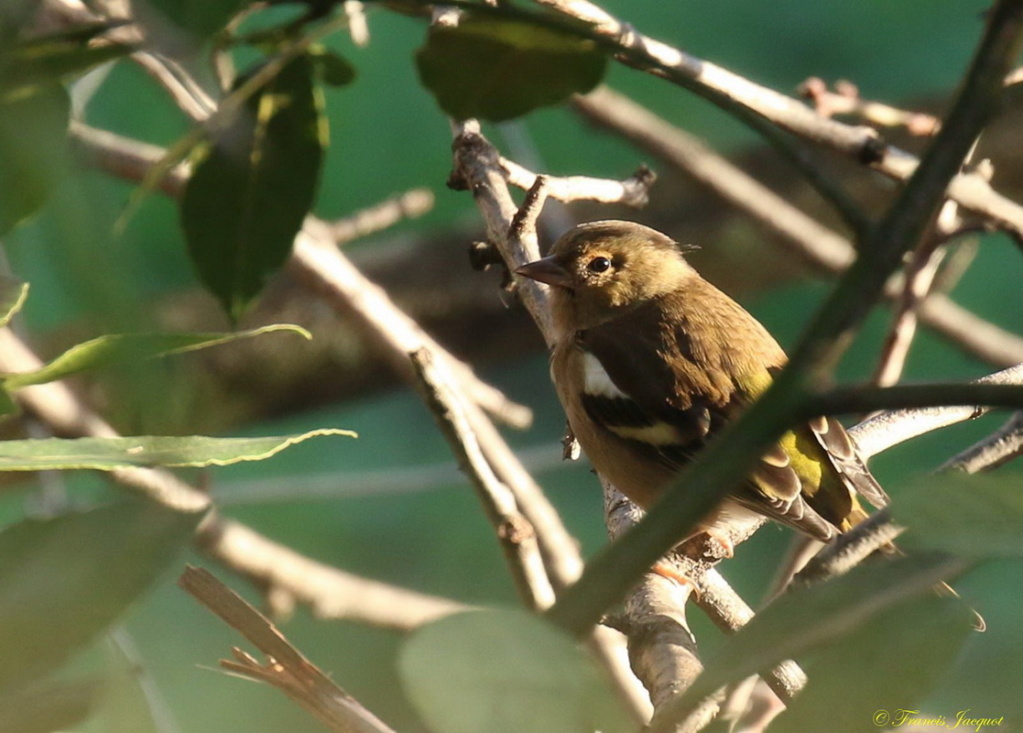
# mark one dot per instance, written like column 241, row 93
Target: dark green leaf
column 118, row 348
column 964, row 515
column 806, row 618
column 500, row 69
column 332, row 69
column 64, row 580
column 108, row 454
column 33, row 151
column 890, row 663
column 202, row 18
column 44, row 61
column 253, row 186
column 505, row 672
column 12, row 296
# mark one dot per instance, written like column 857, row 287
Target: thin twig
column 286, row 668
column 633, row 191
column 514, row 532
column 849, row 549
column 330, row 593
column 358, row 28
column 996, row 450
column 846, row 100
column 409, row 205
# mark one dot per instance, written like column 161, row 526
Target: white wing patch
column 596, row 380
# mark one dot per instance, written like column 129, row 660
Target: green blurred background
column 391, row 505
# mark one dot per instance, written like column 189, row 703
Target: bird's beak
column 546, row 270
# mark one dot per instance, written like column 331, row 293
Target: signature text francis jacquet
column 963, row 720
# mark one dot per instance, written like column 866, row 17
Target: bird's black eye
column 599, row 264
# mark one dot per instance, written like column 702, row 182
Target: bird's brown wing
column 847, row 461
column 668, row 429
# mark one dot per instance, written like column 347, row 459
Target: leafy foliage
column 253, row 185
column 499, row 69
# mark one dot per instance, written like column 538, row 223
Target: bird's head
column 601, row 269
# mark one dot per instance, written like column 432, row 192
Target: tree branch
column 993, row 451
column 888, row 429
column 764, row 108
column 514, row 532
column 287, row 669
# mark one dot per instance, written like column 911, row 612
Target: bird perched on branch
column 651, row 361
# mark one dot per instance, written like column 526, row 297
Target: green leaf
column 806, row 618
column 890, row 663
column 499, row 69
column 49, row 707
column 505, row 672
column 12, row 297
column 43, row 61
column 108, row 454
column 331, row 68
column 64, row 580
column 33, row 151
column 975, row 516
column 251, row 189
column 202, row 18
column 118, row 348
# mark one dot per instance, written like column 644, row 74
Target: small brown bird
column 651, row 361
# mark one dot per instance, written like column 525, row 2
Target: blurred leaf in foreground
column 65, row 580
column 890, row 663
column 975, row 516
column 805, row 619
column 33, row 151
column 505, row 672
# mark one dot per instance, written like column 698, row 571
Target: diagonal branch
column 514, row 532
column 287, row 669
column 765, row 109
